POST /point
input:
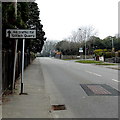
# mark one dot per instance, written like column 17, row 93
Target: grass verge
column 105, row 64
column 89, row 61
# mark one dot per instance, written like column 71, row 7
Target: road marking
column 97, row 74
column 89, row 72
column 94, row 73
column 115, row 80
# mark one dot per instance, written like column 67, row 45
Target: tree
column 48, row 48
column 107, row 42
column 67, row 47
column 34, row 23
column 27, row 18
column 116, row 42
column 82, row 34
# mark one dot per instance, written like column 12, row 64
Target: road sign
column 23, row 34
column 80, row 50
column 20, row 33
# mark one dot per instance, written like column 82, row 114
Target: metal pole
column 85, row 43
column 15, row 60
column 85, row 49
column 22, row 66
column 112, row 45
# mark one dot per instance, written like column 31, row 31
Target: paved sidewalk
column 34, row 105
column 0, row 111
column 0, row 106
column 116, row 67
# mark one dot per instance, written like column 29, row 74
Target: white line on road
column 115, row 80
column 89, row 72
column 97, row 74
column 94, row 73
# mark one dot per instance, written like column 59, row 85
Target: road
column 62, row 83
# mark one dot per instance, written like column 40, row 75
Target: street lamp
column 85, row 41
column 112, row 45
column 112, row 51
column 85, row 47
column 80, row 49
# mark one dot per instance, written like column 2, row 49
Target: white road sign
column 20, row 33
column 80, row 50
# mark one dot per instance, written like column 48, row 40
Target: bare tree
column 117, row 35
column 73, row 36
column 83, row 33
column 48, row 48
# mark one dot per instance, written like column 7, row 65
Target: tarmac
column 34, row 105
column 37, row 103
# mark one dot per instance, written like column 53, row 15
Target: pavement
column 34, row 105
column 116, row 67
column 0, row 111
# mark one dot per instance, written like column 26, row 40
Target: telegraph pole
column 15, row 53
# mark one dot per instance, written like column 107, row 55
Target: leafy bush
column 100, row 52
column 109, row 54
column 117, row 54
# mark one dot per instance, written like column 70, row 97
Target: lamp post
column 112, row 50
column 80, row 49
column 85, row 48
column 84, row 40
column 112, row 45
column 15, row 52
column 85, row 43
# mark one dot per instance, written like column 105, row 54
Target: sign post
column 20, row 33
column 81, row 50
column 23, row 52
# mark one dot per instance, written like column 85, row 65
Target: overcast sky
column 61, row 17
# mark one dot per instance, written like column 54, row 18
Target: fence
column 113, row 60
column 8, row 65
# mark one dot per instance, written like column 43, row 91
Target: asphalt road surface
column 62, row 82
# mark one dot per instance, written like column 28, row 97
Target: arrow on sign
column 9, row 32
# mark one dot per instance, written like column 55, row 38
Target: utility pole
column 85, row 43
column 15, row 53
column 112, row 45
column 84, row 40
